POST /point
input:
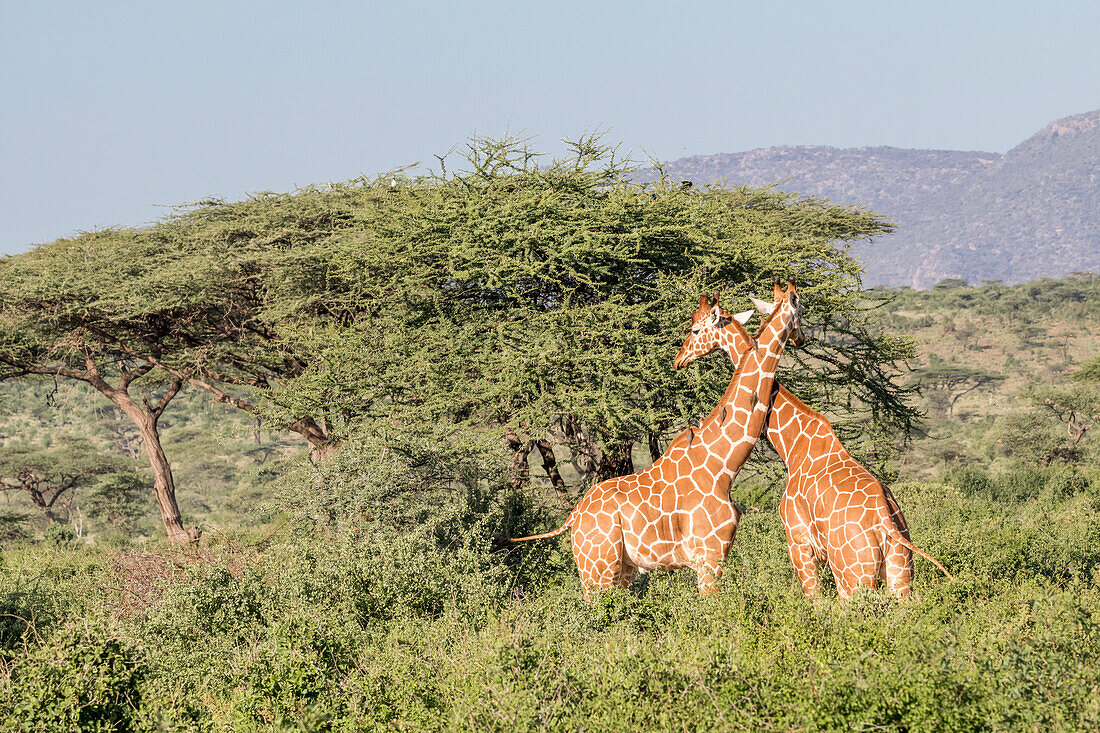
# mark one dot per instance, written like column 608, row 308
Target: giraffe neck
column 790, row 424
column 733, row 428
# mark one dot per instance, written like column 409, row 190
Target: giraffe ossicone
column 834, row 510
column 677, row 513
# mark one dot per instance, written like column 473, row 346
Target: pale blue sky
column 112, row 110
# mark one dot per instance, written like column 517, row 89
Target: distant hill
column 1032, row 212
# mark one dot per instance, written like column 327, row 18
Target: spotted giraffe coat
column 834, row 510
column 677, row 513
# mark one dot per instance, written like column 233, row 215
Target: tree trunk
column 521, row 471
column 320, row 444
column 586, row 456
column 1077, row 430
column 550, row 464
column 164, row 486
column 40, row 502
column 615, row 461
column 655, row 451
column 322, row 451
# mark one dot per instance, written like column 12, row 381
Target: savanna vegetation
column 354, row 393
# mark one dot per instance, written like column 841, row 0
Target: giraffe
column 677, row 513
column 834, row 511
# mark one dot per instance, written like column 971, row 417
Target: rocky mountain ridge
column 1031, row 212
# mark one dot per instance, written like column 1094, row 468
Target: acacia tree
column 955, row 381
column 1076, row 406
column 38, row 339
column 193, row 297
column 47, row 475
column 545, row 304
column 1088, row 373
column 193, row 300
column 138, row 314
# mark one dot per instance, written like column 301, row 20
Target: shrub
column 1066, row 481
column 970, row 480
column 422, row 528
column 82, row 678
column 13, row 527
column 1019, row 484
column 60, row 535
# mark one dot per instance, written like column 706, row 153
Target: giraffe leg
column 898, row 560
column 858, row 564
column 805, row 566
column 709, row 575
column 713, row 551
column 897, row 568
column 846, row 584
column 800, row 549
column 626, row 574
column 598, row 551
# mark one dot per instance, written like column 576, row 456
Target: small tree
column 117, row 499
column 1053, row 425
column 67, row 337
column 954, row 381
column 1088, row 373
column 1077, row 407
column 47, row 475
column 1034, row 437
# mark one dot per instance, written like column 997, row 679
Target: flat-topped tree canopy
column 48, row 474
column 541, row 297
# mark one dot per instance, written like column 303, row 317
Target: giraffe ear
column 762, row 305
column 715, row 316
column 743, row 317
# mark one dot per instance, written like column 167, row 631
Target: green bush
column 13, row 527
column 1020, row 484
column 422, row 527
column 60, row 535
column 1064, row 482
column 396, row 610
column 84, row 678
column 39, row 588
column 970, row 480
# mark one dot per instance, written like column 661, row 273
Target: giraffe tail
column 554, row 533
column 892, row 530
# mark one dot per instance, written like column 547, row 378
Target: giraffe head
column 707, row 323
column 789, row 302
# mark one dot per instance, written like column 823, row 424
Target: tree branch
column 130, row 376
column 219, row 395
column 173, row 389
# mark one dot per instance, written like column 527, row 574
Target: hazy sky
column 112, row 111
